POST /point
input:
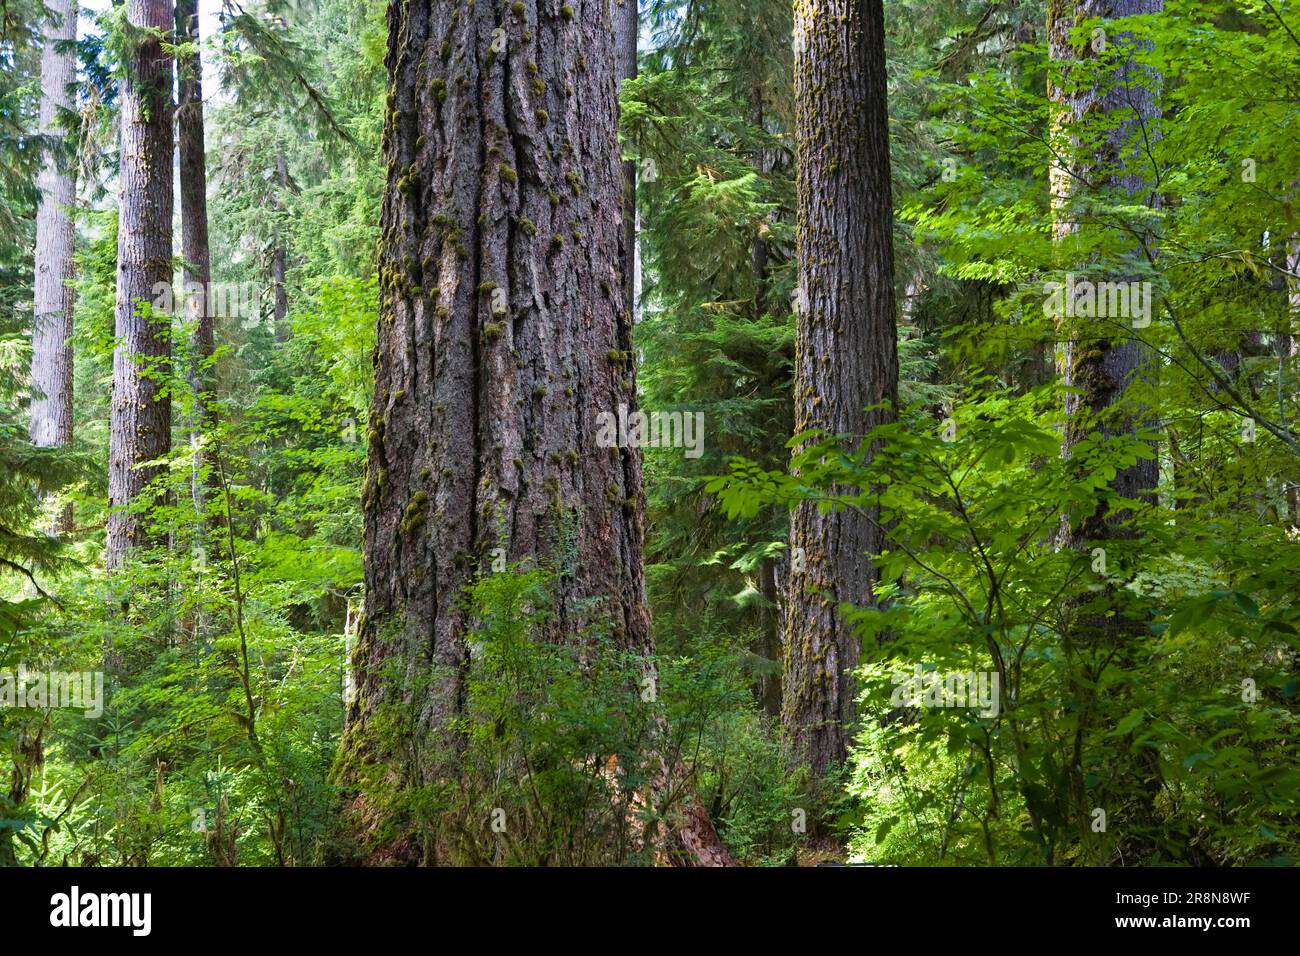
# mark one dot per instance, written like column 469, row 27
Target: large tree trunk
column 847, row 356
column 504, row 332
column 51, row 410
column 195, row 249
column 141, row 411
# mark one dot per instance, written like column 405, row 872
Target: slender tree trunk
column 768, row 689
column 624, row 15
column 51, row 410
column 504, row 333
column 847, row 357
column 28, row 757
column 194, row 239
column 1100, row 358
column 280, row 258
column 1290, row 351
column 140, row 428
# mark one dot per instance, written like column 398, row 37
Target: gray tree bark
column 51, row 409
column 847, row 356
column 140, row 417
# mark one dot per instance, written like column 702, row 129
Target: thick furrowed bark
column 140, row 427
column 847, row 354
column 504, row 333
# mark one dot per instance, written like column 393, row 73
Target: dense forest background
column 309, row 313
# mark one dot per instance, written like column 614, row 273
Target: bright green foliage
column 226, row 668
column 706, row 121
column 1200, row 706
column 1183, row 731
